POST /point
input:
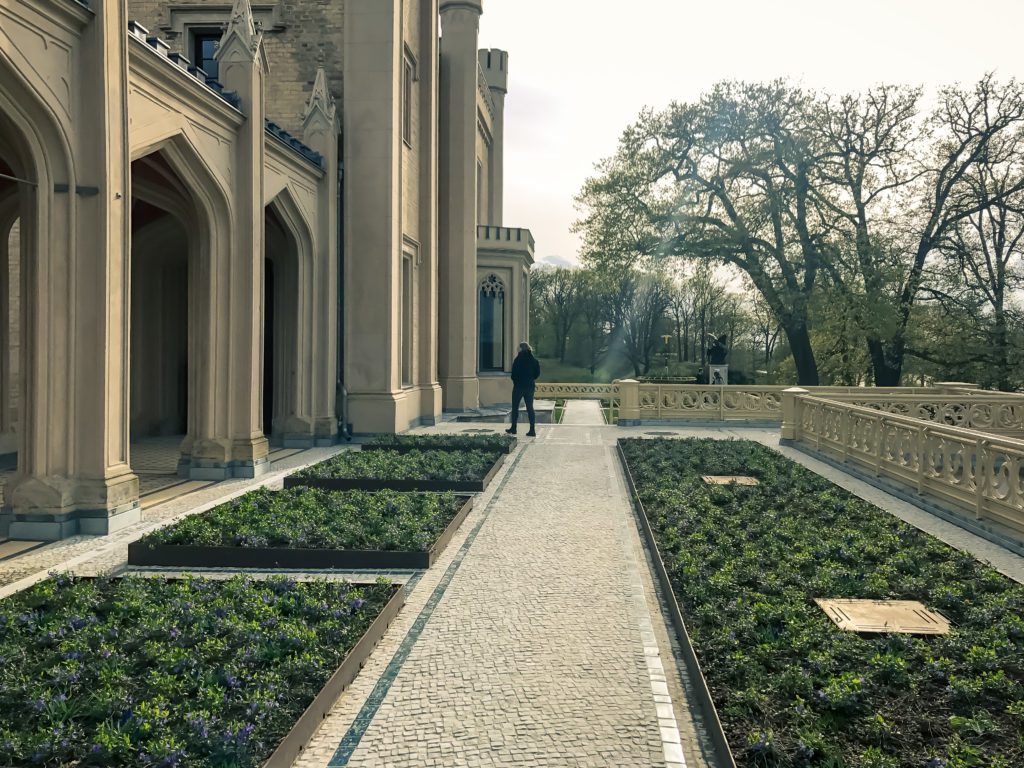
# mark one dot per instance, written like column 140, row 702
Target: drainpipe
column 341, row 393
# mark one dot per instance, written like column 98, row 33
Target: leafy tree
column 892, row 189
column 724, row 180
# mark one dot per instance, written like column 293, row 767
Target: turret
column 494, row 66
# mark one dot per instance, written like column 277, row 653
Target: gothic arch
column 290, row 247
column 492, row 319
column 36, row 149
column 174, row 177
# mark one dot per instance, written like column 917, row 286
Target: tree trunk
column 1000, row 339
column 886, row 363
column 803, row 355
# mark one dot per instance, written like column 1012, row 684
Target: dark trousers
column 526, row 393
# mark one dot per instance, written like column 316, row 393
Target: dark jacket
column 525, row 371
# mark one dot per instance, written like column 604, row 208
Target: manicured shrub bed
column 310, row 527
column 412, row 471
column 790, row 688
column 496, row 442
column 150, row 672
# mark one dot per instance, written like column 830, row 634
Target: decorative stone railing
column 987, row 412
column 555, row 391
column 640, row 402
column 977, row 472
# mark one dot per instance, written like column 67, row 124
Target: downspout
column 341, row 393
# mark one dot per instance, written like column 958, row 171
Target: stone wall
column 299, row 36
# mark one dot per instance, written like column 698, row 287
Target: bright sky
column 581, row 70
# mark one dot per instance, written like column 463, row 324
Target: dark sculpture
column 717, row 350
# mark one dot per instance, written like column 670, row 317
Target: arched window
column 492, row 324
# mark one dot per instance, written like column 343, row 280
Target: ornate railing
column 557, row 391
column 704, row 402
column 978, row 472
column 994, row 414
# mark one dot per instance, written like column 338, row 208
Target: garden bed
column 140, row 671
column 310, row 528
column 405, row 443
column 744, row 565
column 457, row 471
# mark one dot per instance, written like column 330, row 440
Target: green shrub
column 311, row 518
column 746, row 564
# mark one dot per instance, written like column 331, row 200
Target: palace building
column 243, row 225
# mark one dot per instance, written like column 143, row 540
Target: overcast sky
column 581, row 70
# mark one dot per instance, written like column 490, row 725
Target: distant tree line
column 649, row 322
column 878, row 241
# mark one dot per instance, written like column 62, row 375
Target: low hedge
column 440, row 442
column 456, row 466
column 311, row 518
column 153, row 672
column 792, row 689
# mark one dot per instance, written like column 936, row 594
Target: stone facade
column 259, row 258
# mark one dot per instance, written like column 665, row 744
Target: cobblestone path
column 543, row 648
column 583, row 412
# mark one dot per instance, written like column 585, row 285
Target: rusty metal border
column 712, row 724
column 191, row 556
column 296, row 740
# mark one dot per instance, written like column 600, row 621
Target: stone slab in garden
column 378, row 484
column 193, row 556
column 729, row 480
column 908, row 617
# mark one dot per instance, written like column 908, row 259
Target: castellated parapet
column 494, row 65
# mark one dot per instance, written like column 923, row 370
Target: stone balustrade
column 648, row 402
column 988, row 412
column 974, row 471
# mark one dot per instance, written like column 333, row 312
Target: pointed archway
column 180, row 219
column 288, row 326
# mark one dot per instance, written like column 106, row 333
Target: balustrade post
column 791, row 412
column 629, row 401
column 879, row 445
column 922, row 442
column 844, row 434
column 721, row 403
column 980, row 477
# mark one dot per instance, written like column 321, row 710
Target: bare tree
column 644, row 298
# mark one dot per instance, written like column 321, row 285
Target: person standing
column 525, row 371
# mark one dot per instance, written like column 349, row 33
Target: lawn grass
column 792, row 689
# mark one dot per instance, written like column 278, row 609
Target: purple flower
column 936, row 762
column 39, row 705
column 105, row 653
column 355, row 605
column 95, row 749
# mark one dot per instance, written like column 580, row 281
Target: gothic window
column 204, row 49
column 408, row 78
column 492, row 324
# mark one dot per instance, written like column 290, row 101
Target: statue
column 717, row 350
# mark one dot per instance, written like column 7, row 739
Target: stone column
column 73, row 475
column 629, row 402
column 494, row 64
column 243, row 66
column 791, row 412
column 460, row 21
column 320, row 133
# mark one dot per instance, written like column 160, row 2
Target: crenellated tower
column 460, row 86
column 494, row 67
